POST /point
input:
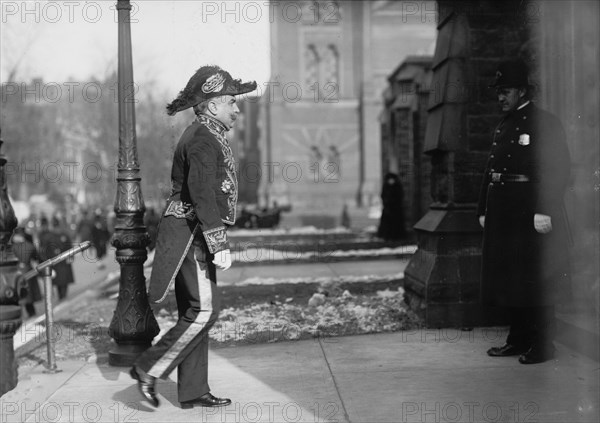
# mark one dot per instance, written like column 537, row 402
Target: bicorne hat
column 511, row 74
column 206, row 83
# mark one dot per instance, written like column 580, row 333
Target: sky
column 75, row 41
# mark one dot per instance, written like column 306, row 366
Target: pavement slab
column 411, row 376
column 419, row 376
column 424, row 375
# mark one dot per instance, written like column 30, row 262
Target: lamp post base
column 10, row 321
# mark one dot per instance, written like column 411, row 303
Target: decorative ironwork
column 10, row 311
column 133, row 325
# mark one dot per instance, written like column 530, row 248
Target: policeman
column 192, row 237
column 525, row 258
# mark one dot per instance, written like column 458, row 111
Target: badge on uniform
column 524, row 139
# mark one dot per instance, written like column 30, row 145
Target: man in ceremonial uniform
column 525, row 253
column 192, row 237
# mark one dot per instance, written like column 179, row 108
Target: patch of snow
column 257, row 280
column 289, row 231
column 250, row 255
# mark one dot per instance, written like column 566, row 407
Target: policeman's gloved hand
column 223, row 259
column 482, row 221
column 542, row 223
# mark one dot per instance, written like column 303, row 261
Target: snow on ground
column 250, row 255
column 304, row 230
column 321, row 279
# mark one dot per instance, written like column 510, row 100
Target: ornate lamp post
column 10, row 311
column 133, row 325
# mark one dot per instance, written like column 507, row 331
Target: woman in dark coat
column 25, row 250
column 391, row 226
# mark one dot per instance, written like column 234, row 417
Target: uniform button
column 524, row 117
column 491, row 156
column 497, row 131
column 508, row 155
column 517, row 128
column 495, row 143
column 512, row 141
column 504, row 169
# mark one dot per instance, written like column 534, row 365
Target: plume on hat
column 208, row 82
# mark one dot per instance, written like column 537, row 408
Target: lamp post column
column 10, row 310
column 133, row 325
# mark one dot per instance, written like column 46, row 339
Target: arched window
column 311, row 65
column 331, row 63
column 331, row 70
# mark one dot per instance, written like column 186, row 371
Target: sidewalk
column 418, row 376
column 421, row 376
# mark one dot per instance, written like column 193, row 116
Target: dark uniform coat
column 521, row 267
column 52, row 243
column 202, row 203
column 25, row 250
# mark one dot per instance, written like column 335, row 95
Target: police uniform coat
column 527, row 173
column 202, row 203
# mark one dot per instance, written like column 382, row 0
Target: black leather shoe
column 537, row 355
column 505, row 350
column 146, row 386
column 206, row 400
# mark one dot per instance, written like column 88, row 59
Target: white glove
column 482, row 221
column 223, row 259
column 542, row 223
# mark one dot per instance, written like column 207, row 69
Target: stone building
column 330, row 61
column 403, row 123
column 244, row 142
column 559, row 40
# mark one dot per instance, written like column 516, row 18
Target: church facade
column 320, row 135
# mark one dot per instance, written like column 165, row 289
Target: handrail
column 64, row 255
column 57, row 259
column 46, row 269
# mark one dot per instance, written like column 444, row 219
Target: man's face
column 224, row 109
column 510, row 98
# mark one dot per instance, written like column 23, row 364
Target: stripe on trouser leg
column 200, row 323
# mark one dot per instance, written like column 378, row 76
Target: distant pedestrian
column 345, row 219
column 85, row 226
column 151, row 220
column 54, row 241
column 525, row 254
column 391, row 225
column 24, row 249
column 100, row 236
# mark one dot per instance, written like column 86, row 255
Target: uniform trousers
column 532, row 327
column 185, row 345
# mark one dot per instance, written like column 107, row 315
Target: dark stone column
column 442, row 280
column 133, row 325
column 10, row 310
